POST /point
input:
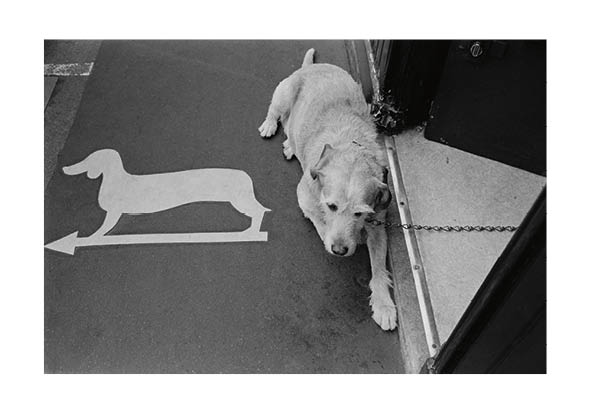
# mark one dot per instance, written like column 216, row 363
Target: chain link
column 446, row 228
column 390, row 118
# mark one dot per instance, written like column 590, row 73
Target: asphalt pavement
column 280, row 306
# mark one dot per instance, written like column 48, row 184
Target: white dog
column 329, row 129
column 124, row 193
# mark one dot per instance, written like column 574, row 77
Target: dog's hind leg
column 110, row 221
column 282, row 101
column 253, row 209
column 256, row 222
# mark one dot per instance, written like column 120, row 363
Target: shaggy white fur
column 330, row 131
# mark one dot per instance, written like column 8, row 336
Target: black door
column 491, row 101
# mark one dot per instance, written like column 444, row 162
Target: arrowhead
column 67, row 244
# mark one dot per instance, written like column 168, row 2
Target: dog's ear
column 385, row 175
column 94, row 172
column 383, row 196
column 322, row 161
column 88, row 165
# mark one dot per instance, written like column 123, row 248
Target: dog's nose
column 339, row 249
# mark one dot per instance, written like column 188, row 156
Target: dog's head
column 351, row 188
column 96, row 164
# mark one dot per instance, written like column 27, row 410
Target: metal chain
column 446, row 228
column 390, row 119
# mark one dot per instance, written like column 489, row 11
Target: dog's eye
column 332, row 207
column 358, row 214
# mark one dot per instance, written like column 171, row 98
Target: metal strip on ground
column 426, row 310
column 416, row 262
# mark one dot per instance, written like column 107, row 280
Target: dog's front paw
column 385, row 316
column 268, row 128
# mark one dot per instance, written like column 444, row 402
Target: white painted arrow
column 69, row 243
column 123, row 193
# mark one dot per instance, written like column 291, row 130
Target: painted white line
column 69, row 243
column 68, row 69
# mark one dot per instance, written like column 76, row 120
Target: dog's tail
column 308, row 58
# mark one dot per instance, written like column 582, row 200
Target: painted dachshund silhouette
column 123, row 193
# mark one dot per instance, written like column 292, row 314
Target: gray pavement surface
column 70, row 51
column 65, row 96
column 282, row 306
